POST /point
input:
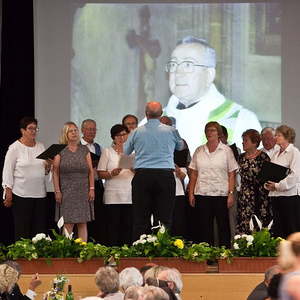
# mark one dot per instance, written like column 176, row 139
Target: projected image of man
column 196, row 100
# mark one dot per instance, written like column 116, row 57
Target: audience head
column 107, row 280
column 153, row 272
column 88, row 129
column 173, row 278
column 269, row 273
column 289, row 251
column 69, row 133
column 133, row 293
column 251, row 139
column 166, row 120
column 285, row 135
column 224, row 136
column 268, row 138
column 130, row 121
column 146, row 267
column 154, row 293
column 28, row 127
column 8, row 278
column 130, row 277
column 119, row 133
column 153, row 110
column 213, row 131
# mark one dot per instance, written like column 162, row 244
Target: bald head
column 153, row 110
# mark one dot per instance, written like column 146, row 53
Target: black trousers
column 97, row 228
column 153, row 192
column 179, row 224
column 30, row 216
column 209, row 208
column 119, row 224
column 286, row 215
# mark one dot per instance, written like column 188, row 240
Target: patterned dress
column 74, row 185
column 253, row 197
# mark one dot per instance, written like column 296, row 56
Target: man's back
column 154, row 144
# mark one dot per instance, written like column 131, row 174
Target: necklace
column 253, row 155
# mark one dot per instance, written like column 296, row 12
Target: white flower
column 143, row 241
column 249, row 244
column 236, row 246
column 151, row 239
column 236, row 237
column 244, row 236
column 38, row 237
column 162, row 229
column 143, row 236
column 48, row 238
column 250, row 239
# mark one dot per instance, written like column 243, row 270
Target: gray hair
column 209, row 53
column 130, row 277
column 107, row 280
column 154, row 293
column 271, row 272
column 8, row 278
column 133, row 293
column 174, row 275
column 87, row 121
column 268, row 129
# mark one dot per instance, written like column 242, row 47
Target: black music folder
column 235, row 151
column 51, row 151
column 272, row 172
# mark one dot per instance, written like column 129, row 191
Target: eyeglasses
column 32, row 129
column 186, row 66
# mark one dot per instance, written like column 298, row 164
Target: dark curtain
column 17, row 84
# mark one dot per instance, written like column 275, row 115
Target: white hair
column 209, row 53
column 268, row 129
column 130, row 277
column 174, row 275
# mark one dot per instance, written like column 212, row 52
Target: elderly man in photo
column 269, row 141
column 153, row 185
column 196, row 100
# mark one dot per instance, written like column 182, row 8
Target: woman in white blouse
column 24, row 182
column 117, row 189
column 212, row 181
column 284, row 195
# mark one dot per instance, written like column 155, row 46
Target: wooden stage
column 205, row 286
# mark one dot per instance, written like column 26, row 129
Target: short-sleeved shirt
column 154, row 144
column 213, row 169
column 117, row 190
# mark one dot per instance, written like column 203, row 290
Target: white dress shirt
column 117, row 190
column 213, row 169
column 23, row 172
column 289, row 158
column 271, row 151
column 91, row 146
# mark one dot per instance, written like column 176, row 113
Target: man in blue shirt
column 153, row 185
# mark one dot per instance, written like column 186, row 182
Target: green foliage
column 259, row 244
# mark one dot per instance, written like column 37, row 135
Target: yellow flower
column 83, row 243
column 179, row 244
column 78, row 241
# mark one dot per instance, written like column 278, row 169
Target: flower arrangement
column 56, row 292
column 158, row 244
column 258, row 244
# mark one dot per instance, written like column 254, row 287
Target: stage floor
column 196, row 286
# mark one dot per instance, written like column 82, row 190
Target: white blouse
column 289, row 158
column 179, row 183
column 213, row 169
column 117, row 190
column 23, row 172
